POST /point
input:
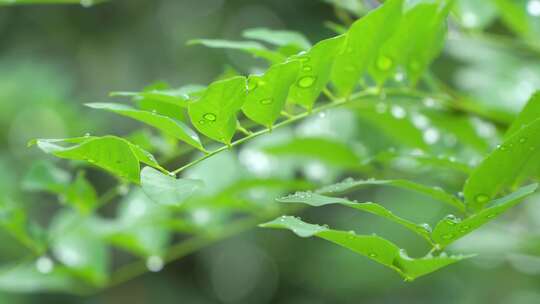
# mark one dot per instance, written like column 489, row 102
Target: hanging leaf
column 373, row 247
column 111, row 153
column 251, row 47
column 267, row 94
column 278, row 37
column 436, row 193
column 214, row 114
column 169, row 126
column 514, row 161
column 451, row 229
column 362, row 44
column 318, row 200
column 315, row 71
column 167, row 190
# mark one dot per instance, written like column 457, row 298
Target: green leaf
column 214, row 114
column 451, row 229
column 111, row 153
column 167, row 125
column 514, row 161
column 528, row 114
column 317, row 200
column 81, row 194
column 251, row 47
column 167, row 190
column 315, row 71
column 14, row 220
column 179, row 97
column 140, row 226
column 326, row 150
column 267, row 94
column 278, row 37
column 45, row 176
column 418, row 38
column 362, row 44
column 370, row 246
column 436, row 193
column 25, row 277
column 77, row 244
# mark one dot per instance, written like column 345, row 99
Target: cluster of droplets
column 208, row 117
column 306, row 81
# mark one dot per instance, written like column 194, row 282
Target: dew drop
column 154, row 263
column 210, row 116
column 372, row 255
column 522, row 140
column 447, row 236
column 44, row 264
column 533, row 8
column 425, row 226
column 481, row 198
column 398, row 112
column 201, row 121
column 384, row 63
column 306, row 82
column 266, row 101
column 87, row 3
column 252, row 84
column 464, row 229
column 490, row 216
column 86, row 134
column 307, row 68
column 304, row 59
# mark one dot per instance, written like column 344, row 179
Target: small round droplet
column 210, row 116
column 44, row 264
column 481, row 198
column 464, row 228
column 372, row 255
column 307, row 68
column 384, row 63
column 304, row 59
column 252, row 84
column 154, row 263
column 522, row 140
column 266, row 101
column 86, row 134
column 490, row 216
column 306, row 82
column 447, row 236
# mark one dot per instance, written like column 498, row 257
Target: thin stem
column 294, row 118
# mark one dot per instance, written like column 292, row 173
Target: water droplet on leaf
column 306, row 82
column 210, row 116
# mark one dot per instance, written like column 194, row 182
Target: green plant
column 377, row 72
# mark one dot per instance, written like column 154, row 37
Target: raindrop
column 154, row 263
column 210, row 116
column 522, row 140
column 469, row 19
column 307, row 68
column 252, row 84
column 490, row 216
column 322, row 115
column 44, row 264
column 384, row 63
column 398, row 112
column 201, row 121
column 399, row 76
column 447, row 236
column 266, row 101
column 481, row 198
column 464, row 229
column 431, row 136
column 533, row 8
column 86, row 134
column 87, row 3
column 420, row 121
column 154, row 112
column 304, row 59
column 171, row 174
column 425, row 226
column 306, row 82
column 372, row 255
column 429, row 102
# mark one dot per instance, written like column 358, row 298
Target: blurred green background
column 53, row 58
